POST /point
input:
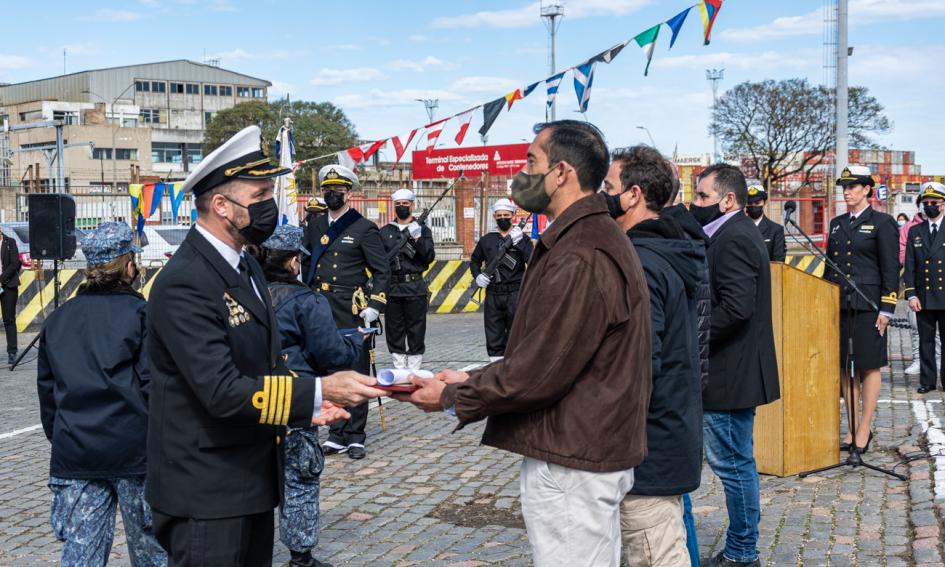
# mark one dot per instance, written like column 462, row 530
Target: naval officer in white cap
column 409, row 246
column 219, row 401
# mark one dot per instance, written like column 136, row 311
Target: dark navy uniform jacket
column 412, row 261
column 218, row 401
column 773, row 235
column 342, row 267
column 93, row 381
column 868, row 252
column 924, row 274
column 488, row 248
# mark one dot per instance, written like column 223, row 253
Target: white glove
column 414, row 229
column 516, row 234
column 369, row 315
column 483, row 280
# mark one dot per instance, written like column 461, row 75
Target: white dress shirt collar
column 231, row 256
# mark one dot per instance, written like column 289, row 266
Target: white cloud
column 418, row 66
column 861, row 12
column 281, row 88
column 150, row 3
column 243, row 55
column 222, row 6
column 109, row 15
column 418, row 38
column 14, row 62
column 377, row 98
column 493, row 85
column 797, row 59
column 529, row 15
column 331, row 77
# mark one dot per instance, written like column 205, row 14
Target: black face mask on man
column 614, row 207
column 334, row 200
column 402, row 212
column 263, row 219
column 755, row 211
column 504, row 224
column 932, row 210
column 705, row 215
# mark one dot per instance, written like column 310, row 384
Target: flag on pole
column 464, row 118
column 709, row 9
column 583, row 80
column 285, row 188
column 401, row 148
column 675, row 23
column 433, row 133
column 490, row 111
column 553, row 84
column 647, row 40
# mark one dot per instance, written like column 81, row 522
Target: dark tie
column 934, row 231
column 245, row 274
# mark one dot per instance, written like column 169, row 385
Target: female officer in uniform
column 312, row 346
column 864, row 244
column 93, row 381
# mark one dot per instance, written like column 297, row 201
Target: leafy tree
column 318, row 128
column 787, row 127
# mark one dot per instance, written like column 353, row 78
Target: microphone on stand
column 789, row 208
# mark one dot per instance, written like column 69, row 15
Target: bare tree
column 787, row 127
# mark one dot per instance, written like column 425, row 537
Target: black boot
column 305, row 559
column 11, row 358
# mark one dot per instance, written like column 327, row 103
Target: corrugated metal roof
column 111, row 83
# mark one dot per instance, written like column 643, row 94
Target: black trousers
column 350, row 431
column 498, row 313
column 405, row 320
column 929, row 322
column 244, row 541
column 8, row 308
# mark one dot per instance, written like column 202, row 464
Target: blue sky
column 374, row 58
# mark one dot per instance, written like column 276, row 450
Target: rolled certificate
column 400, row 376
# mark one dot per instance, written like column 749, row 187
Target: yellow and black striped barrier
column 450, row 282
column 808, row 263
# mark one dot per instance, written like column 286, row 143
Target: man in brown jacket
column 572, row 392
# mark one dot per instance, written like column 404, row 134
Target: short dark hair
column 202, row 201
column 728, row 179
column 646, row 168
column 582, row 145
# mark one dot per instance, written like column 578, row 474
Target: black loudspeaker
column 52, row 226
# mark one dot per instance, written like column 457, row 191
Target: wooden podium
column 799, row 432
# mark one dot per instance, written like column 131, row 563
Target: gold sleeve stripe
column 261, row 400
column 287, row 403
column 273, row 394
column 277, row 416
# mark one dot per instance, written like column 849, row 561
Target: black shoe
column 844, row 446
column 11, row 358
column 330, row 450
column 865, row 448
column 721, row 561
column 356, row 452
column 306, row 560
column 925, row 389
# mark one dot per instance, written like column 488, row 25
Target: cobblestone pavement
column 425, row 496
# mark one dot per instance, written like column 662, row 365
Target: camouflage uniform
column 298, row 516
column 83, row 518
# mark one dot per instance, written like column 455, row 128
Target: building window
column 69, row 118
column 207, row 117
column 242, row 92
column 210, row 90
column 226, row 90
column 129, row 122
column 194, row 154
column 126, row 153
column 259, row 93
column 177, row 88
column 193, row 88
column 158, row 86
column 153, row 116
column 142, row 86
column 165, row 152
column 101, row 153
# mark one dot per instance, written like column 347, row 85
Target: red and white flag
column 433, row 133
column 373, row 149
column 401, row 148
column 464, row 118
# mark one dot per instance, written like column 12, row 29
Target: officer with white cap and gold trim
column 344, row 246
column 924, row 278
column 409, row 246
column 220, row 399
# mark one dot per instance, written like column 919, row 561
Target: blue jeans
column 692, row 542
column 729, row 449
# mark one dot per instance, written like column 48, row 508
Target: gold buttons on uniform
column 334, row 265
column 334, row 279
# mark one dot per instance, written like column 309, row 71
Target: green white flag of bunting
column 647, row 40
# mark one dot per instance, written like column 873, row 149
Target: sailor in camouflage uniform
column 312, row 346
column 344, row 246
column 93, row 394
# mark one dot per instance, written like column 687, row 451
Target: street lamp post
column 647, row 130
column 114, row 130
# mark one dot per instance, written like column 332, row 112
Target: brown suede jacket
column 574, row 386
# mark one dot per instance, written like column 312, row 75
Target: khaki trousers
column 572, row 516
column 653, row 531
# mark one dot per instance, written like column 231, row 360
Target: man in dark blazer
column 344, row 246
column 743, row 371
column 10, row 286
column 220, row 400
column 771, row 232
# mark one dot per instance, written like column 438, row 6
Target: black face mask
column 136, row 274
column 263, row 219
column 613, row 205
column 705, row 215
column 334, row 200
column 402, row 212
column 932, row 210
column 755, row 211
column 504, row 224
